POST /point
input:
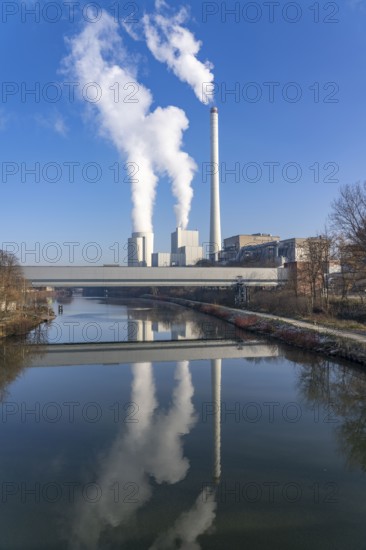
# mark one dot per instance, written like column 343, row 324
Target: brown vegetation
column 21, row 307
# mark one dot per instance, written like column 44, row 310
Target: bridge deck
column 73, row 276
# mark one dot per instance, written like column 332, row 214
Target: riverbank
column 19, row 326
column 302, row 334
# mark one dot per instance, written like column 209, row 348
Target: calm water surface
column 192, row 444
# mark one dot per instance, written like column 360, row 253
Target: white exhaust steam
column 171, row 43
column 150, row 140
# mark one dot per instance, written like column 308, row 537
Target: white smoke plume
column 171, row 43
column 152, row 140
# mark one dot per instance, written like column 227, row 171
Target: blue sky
column 319, row 139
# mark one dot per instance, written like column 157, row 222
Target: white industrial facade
column 185, row 250
column 183, row 237
column 185, row 244
column 161, row 259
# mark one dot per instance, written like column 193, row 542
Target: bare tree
column 314, row 271
column 348, row 220
column 351, row 266
column 12, row 282
column 349, row 214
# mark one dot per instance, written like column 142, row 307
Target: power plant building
column 185, row 250
column 280, row 252
column 184, row 238
column 233, row 245
column 161, row 259
column 140, row 248
column 185, row 247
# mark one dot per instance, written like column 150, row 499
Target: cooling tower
column 140, row 249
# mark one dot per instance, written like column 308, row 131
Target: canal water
column 143, row 425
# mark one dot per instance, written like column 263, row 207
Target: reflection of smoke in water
column 150, row 447
column 190, row 525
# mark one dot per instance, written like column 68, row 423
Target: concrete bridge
column 109, row 276
column 116, row 353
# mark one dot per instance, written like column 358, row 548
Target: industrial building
column 280, row 252
column 161, row 259
column 185, row 244
column 185, row 250
column 274, row 250
column 233, row 245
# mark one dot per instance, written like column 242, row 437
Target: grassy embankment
column 18, row 323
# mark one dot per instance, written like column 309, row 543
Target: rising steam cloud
column 171, row 43
column 152, row 140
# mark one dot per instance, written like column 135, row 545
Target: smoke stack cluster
column 215, row 222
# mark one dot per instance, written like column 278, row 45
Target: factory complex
column 262, row 248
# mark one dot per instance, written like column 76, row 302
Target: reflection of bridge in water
column 158, row 351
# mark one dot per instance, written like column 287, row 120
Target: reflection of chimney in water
column 140, row 330
column 216, row 403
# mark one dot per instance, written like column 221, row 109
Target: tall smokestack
column 215, row 221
